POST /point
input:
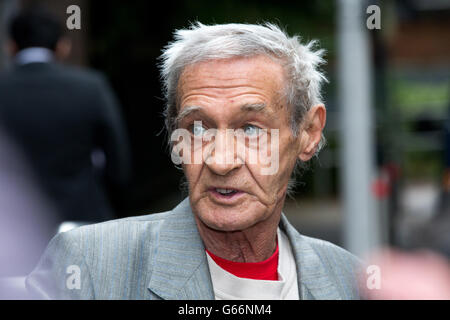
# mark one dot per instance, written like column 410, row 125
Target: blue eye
column 198, row 130
column 251, row 130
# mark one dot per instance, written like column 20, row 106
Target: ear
column 63, row 48
column 311, row 131
column 11, row 47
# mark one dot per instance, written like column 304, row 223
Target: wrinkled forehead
column 259, row 73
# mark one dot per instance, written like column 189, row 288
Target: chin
column 227, row 219
column 226, row 226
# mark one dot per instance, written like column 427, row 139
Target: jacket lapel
column 179, row 267
column 314, row 281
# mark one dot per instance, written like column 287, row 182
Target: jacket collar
column 34, row 55
column 179, row 269
column 314, row 280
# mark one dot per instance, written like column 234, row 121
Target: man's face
column 245, row 94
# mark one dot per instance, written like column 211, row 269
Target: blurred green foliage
column 413, row 97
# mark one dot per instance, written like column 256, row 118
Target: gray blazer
column 161, row 256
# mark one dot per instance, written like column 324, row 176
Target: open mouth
column 225, row 193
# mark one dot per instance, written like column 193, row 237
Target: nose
column 222, row 157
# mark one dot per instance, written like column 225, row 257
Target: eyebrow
column 253, row 107
column 248, row 107
column 187, row 111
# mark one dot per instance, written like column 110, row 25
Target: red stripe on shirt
column 264, row 270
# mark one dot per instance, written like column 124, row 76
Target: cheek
column 288, row 159
column 272, row 186
column 276, row 158
column 192, row 173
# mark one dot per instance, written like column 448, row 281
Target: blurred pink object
column 421, row 275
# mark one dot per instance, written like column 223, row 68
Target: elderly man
column 243, row 110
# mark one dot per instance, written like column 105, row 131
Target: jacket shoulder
column 343, row 268
column 81, row 75
column 137, row 224
column 329, row 250
column 95, row 251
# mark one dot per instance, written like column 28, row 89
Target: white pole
column 356, row 127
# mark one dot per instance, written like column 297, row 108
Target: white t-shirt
column 229, row 287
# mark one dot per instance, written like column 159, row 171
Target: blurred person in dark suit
column 66, row 120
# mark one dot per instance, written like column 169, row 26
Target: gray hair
column 208, row 42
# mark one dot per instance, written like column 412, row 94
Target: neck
column 254, row 244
